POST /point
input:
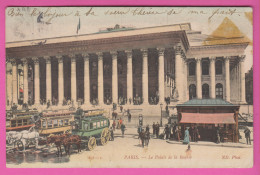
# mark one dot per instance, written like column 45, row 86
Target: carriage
column 55, row 122
column 92, row 127
column 20, row 120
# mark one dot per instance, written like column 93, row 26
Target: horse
column 58, row 141
column 69, row 140
column 24, row 137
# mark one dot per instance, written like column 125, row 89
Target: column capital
column 160, row 51
column 178, row 49
column 242, row 58
column 227, row 58
column 47, row 59
column 13, row 61
column 113, row 54
column 85, row 56
column 212, row 59
column 35, row 60
column 198, row 60
column 129, row 53
column 144, row 52
column 24, row 60
column 72, row 57
column 60, row 58
column 100, row 55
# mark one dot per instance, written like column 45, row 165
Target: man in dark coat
column 154, row 128
column 167, row 131
column 247, row 135
column 196, row 134
column 157, row 130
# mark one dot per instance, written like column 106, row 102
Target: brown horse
column 58, row 141
column 69, row 140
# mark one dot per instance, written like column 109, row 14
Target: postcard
column 129, row 87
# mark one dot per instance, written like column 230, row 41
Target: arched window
column 218, row 66
column 205, row 67
column 205, row 91
column 192, row 68
column 219, row 91
column 192, row 91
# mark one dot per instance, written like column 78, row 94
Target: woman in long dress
column 186, row 137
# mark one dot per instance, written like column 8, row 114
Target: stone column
column 25, row 80
column 145, row 76
column 242, row 79
column 36, row 81
column 227, row 78
column 86, row 80
column 48, row 79
column 100, row 79
column 129, row 75
column 60, row 80
column 14, row 82
column 161, row 74
column 73, row 79
column 198, row 77
column 212, row 77
column 8, row 83
column 185, row 79
column 178, row 74
column 114, row 77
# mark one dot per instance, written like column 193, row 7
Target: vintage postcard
column 129, row 87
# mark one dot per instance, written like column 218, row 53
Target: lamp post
column 161, row 105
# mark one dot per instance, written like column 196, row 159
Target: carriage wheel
column 20, row 145
column 104, row 140
column 105, row 132
column 92, row 143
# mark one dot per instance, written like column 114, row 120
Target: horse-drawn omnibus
column 92, row 127
column 55, row 122
column 20, row 120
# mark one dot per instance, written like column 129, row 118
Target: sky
column 23, row 23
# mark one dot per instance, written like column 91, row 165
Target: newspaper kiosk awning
column 205, row 118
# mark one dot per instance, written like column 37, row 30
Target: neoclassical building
column 130, row 63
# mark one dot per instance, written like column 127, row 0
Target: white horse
column 24, row 137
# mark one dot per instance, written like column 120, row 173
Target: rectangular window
column 91, row 125
column 60, row 122
column 19, row 123
column 25, row 122
column 44, row 124
column 105, row 123
column 86, row 126
column 13, row 123
column 98, row 124
column 55, row 123
column 94, row 125
column 101, row 123
column 66, row 122
column 49, row 123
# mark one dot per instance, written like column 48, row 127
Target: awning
column 204, row 118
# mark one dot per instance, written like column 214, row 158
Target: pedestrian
column 154, row 128
column 157, row 130
column 186, row 137
column 147, row 129
column 191, row 132
column 121, row 108
column 218, row 135
column 123, row 129
column 167, row 131
column 196, row 134
column 247, row 135
column 114, row 125
column 111, row 134
column 129, row 116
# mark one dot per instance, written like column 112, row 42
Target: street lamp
column 161, row 105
